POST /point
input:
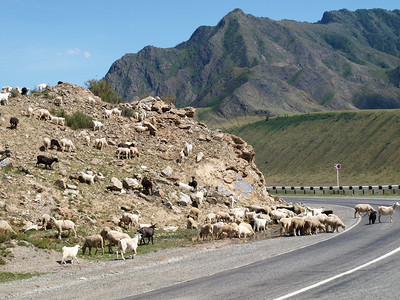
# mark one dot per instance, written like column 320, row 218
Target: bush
column 79, row 120
column 104, row 90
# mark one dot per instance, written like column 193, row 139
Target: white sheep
column 187, row 149
column 44, row 221
column 63, row 225
column 107, row 113
column 334, row 222
column 44, row 114
column 116, row 111
column 58, row 120
column 387, row 211
column 134, row 152
column 4, row 98
column 100, row 143
column 46, row 143
column 128, row 244
column 359, row 208
column 86, row 139
column 6, row 89
column 66, row 144
column 70, row 253
column 97, row 125
column 129, row 219
column 92, row 241
column 260, row 224
column 242, row 229
column 123, row 153
column 42, row 86
column 87, row 178
column 113, row 236
column 211, row 218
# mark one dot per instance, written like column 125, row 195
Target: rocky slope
column 220, row 162
column 247, row 65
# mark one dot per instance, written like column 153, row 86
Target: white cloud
column 74, row 52
column 87, row 54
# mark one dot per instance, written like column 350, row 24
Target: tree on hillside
column 104, row 90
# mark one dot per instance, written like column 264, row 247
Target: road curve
column 331, row 269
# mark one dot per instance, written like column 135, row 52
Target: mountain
column 247, row 65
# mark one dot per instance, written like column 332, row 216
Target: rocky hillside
column 222, row 163
column 247, row 65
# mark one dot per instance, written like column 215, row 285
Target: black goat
column 60, row 82
column 193, row 183
column 47, row 161
column 55, row 143
column 13, row 123
column 24, row 91
column 147, row 185
column 327, row 212
column 372, row 217
column 147, row 232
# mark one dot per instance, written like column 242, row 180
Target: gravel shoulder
column 116, row 279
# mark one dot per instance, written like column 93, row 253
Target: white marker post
column 337, row 167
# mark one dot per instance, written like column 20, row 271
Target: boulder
column 184, row 199
column 115, row 184
column 167, row 171
column 131, row 183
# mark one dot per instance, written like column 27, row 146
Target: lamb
column 206, row 230
column 128, row 244
column 66, row 144
column 387, row 211
column 13, row 122
column 147, row 185
column 100, row 143
column 359, row 208
column 129, row 219
column 44, row 221
column 63, row 225
column 44, row 114
column 97, row 125
column 372, row 217
column 91, row 241
column 113, row 237
column 42, row 86
column 147, row 232
column 46, row 143
column 5, row 228
column 47, row 161
column 55, row 143
column 70, row 253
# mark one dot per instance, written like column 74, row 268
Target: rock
column 115, row 184
column 199, row 156
column 221, row 190
column 159, row 193
column 131, row 183
column 60, row 183
column 151, row 127
column 184, row 199
column 190, row 112
column 167, row 171
column 72, row 187
column 7, row 163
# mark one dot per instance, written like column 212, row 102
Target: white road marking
column 338, row 276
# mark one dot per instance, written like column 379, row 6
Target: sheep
column 44, row 114
column 123, row 153
column 238, row 212
column 61, row 225
column 13, row 122
column 24, row 91
column 276, row 215
column 71, row 253
column 46, row 143
column 128, row 244
column 4, row 98
column 91, row 241
column 55, row 143
column 5, row 228
column 188, row 148
column 43, row 86
column 86, row 139
column 113, row 236
column 147, row 232
column 58, row 120
column 107, row 113
column 190, row 223
column 297, row 225
column 226, row 230
column 242, row 229
column 147, row 185
column 129, row 219
column 285, row 224
column 86, row 178
column 194, row 213
column 6, row 89
column 312, row 224
column 211, row 218
column 134, row 152
column 66, row 144
column 334, row 222
column 44, row 221
column 47, row 161
column 223, row 216
column 97, row 125
column 100, row 143
column 206, row 231
column 259, row 209
column 116, row 111
column 359, row 208
column 387, row 211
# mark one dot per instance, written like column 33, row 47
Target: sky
column 46, row 41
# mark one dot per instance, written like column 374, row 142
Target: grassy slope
column 302, row 149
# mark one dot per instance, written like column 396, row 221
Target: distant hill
column 302, row 149
column 247, row 65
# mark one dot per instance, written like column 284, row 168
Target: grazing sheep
column 46, row 143
column 128, row 244
column 92, row 241
column 226, row 230
column 66, row 144
column 123, row 153
column 387, row 211
column 147, row 185
column 63, row 225
column 58, row 120
column 194, row 212
column 245, row 230
column 43, row 86
column 5, row 228
column 116, row 111
column 55, row 143
column 297, row 226
column 238, row 212
column 47, row 161
column 211, row 218
column 70, row 253
column 44, row 221
column 13, row 123
column 107, row 113
column 312, row 225
column 372, row 217
column 129, row 220
column 359, row 208
column 134, row 152
column 100, row 143
column 334, row 222
column 276, row 215
column 86, row 178
column 97, row 125
column 113, row 236
column 44, row 114
column 147, row 232
column 86, row 140
column 223, row 216
column 206, row 231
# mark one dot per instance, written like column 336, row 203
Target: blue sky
column 44, row 41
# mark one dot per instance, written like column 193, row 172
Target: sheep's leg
column 379, row 218
column 75, row 259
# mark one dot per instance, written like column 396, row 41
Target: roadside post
column 337, row 167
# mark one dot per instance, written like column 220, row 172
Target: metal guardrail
column 349, row 188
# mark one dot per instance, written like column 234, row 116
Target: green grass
column 302, row 149
column 8, row 276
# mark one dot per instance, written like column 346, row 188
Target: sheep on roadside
column 245, row 230
column 61, row 225
column 113, row 237
column 147, row 232
column 312, row 225
column 297, row 226
column 190, row 223
column 226, row 231
column 387, row 211
column 70, row 253
column 334, row 222
column 128, row 244
column 211, row 218
column 285, row 225
column 359, row 208
column 92, row 241
column 206, row 231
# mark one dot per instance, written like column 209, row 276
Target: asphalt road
column 360, row 263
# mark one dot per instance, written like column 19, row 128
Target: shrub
column 104, row 90
column 79, row 120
